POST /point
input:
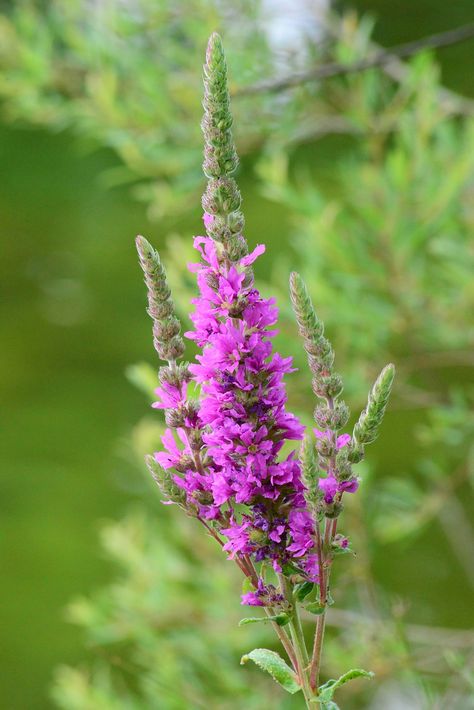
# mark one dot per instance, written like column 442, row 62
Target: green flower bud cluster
column 220, row 157
column 222, row 198
column 169, row 489
column 367, row 428
column 310, row 472
column 169, row 346
column 336, row 455
column 327, row 385
column 166, row 327
column 330, row 414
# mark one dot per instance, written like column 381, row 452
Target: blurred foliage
column 381, row 231
column 147, row 625
column 127, row 75
column 392, row 233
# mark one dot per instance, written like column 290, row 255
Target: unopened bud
column 333, row 510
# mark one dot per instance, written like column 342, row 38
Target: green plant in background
column 147, row 625
column 124, row 77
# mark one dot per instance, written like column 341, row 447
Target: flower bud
column 164, row 480
column 218, row 229
column 258, row 537
column 356, row 453
column 328, row 387
column 174, row 348
column 166, row 326
column 331, row 418
column 333, row 510
column 323, row 416
column 344, row 471
column 195, row 439
column 175, row 375
column 184, row 464
column 203, row 497
column 366, row 429
column 236, row 222
column 325, row 446
column 175, row 418
column 340, row 415
column 236, row 248
column 212, row 280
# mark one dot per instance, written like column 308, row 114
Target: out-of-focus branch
column 397, row 70
column 381, row 58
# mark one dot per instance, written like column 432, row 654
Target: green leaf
column 315, row 608
column 281, row 619
column 327, row 690
column 273, row 664
column 336, row 551
column 289, row 569
column 302, row 590
column 247, row 585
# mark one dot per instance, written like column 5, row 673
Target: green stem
column 329, row 532
column 299, row 632
column 317, row 650
column 297, row 638
column 324, row 572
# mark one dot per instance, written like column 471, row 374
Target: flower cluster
column 224, row 455
column 332, row 484
column 250, row 486
column 228, row 459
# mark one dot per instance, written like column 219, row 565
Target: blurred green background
column 363, row 182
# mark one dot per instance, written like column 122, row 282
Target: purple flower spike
column 243, row 410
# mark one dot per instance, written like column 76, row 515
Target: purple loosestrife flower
column 243, row 410
column 227, row 458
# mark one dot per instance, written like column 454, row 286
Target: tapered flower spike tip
column 221, row 200
column 214, row 47
column 367, row 428
column 220, row 156
column 144, row 249
column 166, row 327
column 308, row 323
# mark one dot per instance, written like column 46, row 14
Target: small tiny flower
column 341, row 541
column 264, row 595
column 341, row 441
column 207, row 219
column 175, row 454
column 170, row 396
column 329, row 487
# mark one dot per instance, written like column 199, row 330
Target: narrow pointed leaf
column 302, row 590
column 315, row 608
column 327, row 690
column 273, row 664
column 280, row 619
